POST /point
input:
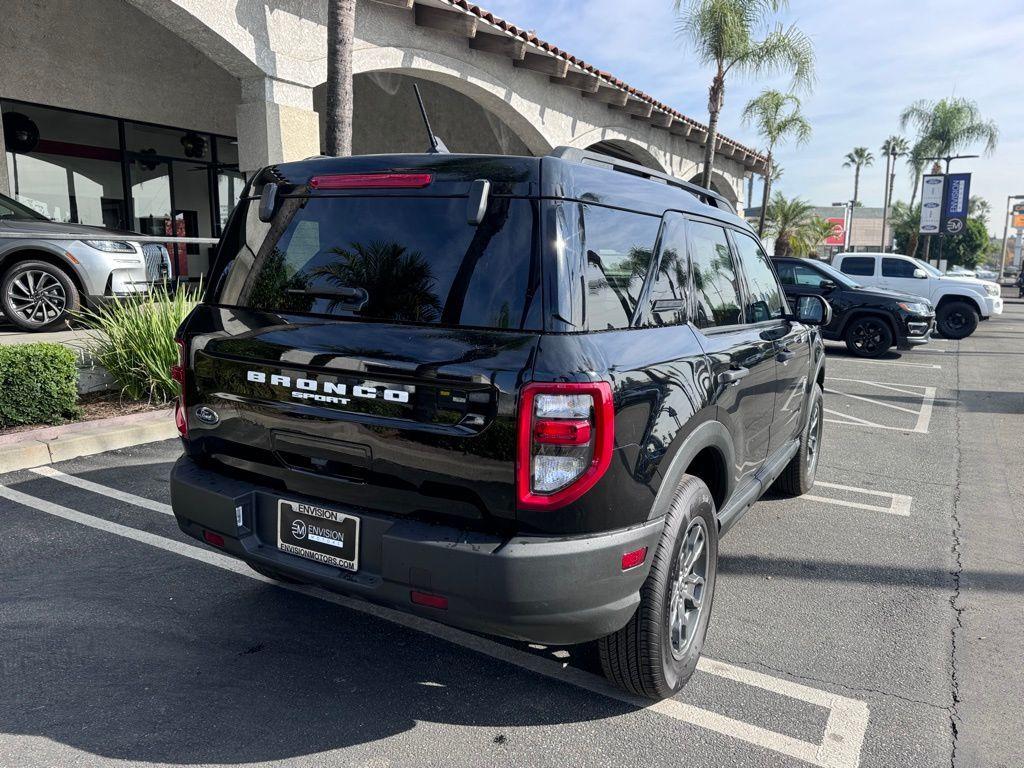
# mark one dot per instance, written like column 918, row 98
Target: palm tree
column 777, row 118
column 725, row 34
column 892, row 148
column 341, row 30
column 788, row 219
column 815, row 232
column 948, row 126
column 860, row 157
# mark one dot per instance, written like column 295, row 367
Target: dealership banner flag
column 931, row 204
column 955, row 202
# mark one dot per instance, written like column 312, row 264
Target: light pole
column 847, row 207
column 1007, row 212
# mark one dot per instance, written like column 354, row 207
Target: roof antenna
column 437, row 146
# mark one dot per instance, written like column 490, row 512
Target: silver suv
column 42, row 281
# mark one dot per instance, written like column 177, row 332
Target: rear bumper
column 556, row 591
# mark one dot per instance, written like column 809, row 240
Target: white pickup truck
column 960, row 302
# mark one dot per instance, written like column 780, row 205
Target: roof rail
column 573, row 154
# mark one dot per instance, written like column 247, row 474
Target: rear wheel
column 868, row 336
column 957, row 319
column 38, row 296
column 798, row 476
column 656, row 653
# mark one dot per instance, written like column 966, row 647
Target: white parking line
column 932, row 366
column 842, row 738
column 106, row 490
column 924, row 414
column 899, row 504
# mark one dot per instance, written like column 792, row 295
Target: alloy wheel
column 867, row 336
column 687, row 595
column 37, row 297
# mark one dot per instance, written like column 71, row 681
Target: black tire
column 59, row 292
column 957, row 319
column 270, row 573
column 798, row 476
column 647, row 657
column 868, row 336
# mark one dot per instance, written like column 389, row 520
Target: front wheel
column 656, row 653
column 957, row 320
column 868, row 337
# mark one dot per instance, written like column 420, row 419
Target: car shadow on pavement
column 862, row 573
column 133, row 654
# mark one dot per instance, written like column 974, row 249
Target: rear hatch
column 366, row 345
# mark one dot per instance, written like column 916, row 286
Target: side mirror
column 920, row 274
column 827, row 285
column 813, row 310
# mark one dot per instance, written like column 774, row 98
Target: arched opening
column 720, row 185
column 627, row 150
column 387, row 119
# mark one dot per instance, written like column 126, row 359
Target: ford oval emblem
column 207, row 415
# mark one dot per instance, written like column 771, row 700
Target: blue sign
column 956, row 199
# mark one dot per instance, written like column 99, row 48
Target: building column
column 276, row 123
column 5, row 183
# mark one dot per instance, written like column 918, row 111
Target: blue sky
column 874, row 57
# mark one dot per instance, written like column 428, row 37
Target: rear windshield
column 396, row 259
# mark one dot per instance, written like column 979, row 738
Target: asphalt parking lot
column 873, row 622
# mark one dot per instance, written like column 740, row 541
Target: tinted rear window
column 410, row 259
column 858, row 265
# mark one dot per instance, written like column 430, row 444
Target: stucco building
column 146, row 114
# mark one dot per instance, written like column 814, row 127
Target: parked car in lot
column 870, row 320
column 519, row 395
column 43, row 281
column 960, row 302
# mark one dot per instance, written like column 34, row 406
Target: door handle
column 732, row 376
column 785, row 355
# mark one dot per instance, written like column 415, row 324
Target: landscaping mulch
column 96, row 405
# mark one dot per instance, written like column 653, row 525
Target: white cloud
column 874, row 58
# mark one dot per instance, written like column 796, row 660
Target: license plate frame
column 319, row 534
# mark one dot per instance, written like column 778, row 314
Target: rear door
column 369, row 350
column 741, row 354
column 766, row 309
column 863, row 269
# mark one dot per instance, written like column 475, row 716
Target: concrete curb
column 24, row 450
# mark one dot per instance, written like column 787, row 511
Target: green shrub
column 38, row 384
column 134, row 340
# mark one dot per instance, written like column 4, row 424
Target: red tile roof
column 611, row 80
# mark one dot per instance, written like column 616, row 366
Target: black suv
column 870, row 320
column 519, row 395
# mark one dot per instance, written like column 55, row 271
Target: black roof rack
column 586, row 157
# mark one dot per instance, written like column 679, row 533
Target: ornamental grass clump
column 133, row 339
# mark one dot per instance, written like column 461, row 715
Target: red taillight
column 430, row 601
column 178, row 375
column 565, row 439
column 634, row 558
column 213, row 538
column 371, row 181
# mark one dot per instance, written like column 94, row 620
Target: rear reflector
column 179, row 419
column 371, row 181
column 178, row 374
column 634, row 558
column 213, row 538
column 561, row 431
column 429, row 600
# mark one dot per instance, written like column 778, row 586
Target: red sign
column 838, row 236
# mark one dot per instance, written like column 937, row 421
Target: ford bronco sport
column 519, row 395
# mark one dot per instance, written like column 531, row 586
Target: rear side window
column 619, row 246
column 858, row 265
column 764, row 294
column 396, row 259
column 798, row 274
column 715, row 281
column 897, row 268
column 668, row 291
